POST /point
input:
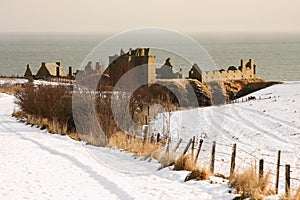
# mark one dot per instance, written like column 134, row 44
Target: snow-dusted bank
column 259, row 127
column 37, row 165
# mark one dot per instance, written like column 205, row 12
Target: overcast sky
column 119, row 15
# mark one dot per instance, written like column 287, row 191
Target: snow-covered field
column 12, row 81
column 37, row 165
column 259, row 127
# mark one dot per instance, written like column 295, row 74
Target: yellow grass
column 53, row 126
column 133, row 144
column 250, row 186
column 10, row 89
column 198, row 174
column 296, row 196
column 185, row 162
column 166, row 159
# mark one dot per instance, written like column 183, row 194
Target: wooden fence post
column 261, row 169
column 212, row 163
column 277, row 172
column 167, row 149
column 198, row 152
column 287, row 180
column 157, row 137
column 187, row 147
column 193, row 146
column 177, row 145
column 232, row 165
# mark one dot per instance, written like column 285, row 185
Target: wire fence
column 246, row 157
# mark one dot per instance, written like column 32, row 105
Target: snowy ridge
column 259, row 127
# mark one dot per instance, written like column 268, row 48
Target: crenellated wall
column 245, row 71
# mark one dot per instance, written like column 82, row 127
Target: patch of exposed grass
column 10, row 89
column 198, row 174
column 250, row 186
column 296, row 196
column 53, row 126
column 185, row 162
column 134, row 144
column 166, row 159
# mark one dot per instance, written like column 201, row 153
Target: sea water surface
column 277, row 56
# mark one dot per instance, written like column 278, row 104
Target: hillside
column 38, row 165
column 259, row 127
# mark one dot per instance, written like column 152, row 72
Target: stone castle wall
column 245, row 71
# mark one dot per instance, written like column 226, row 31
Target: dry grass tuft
column 198, row 174
column 10, row 89
column 185, row 162
column 133, row 144
column 297, row 195
column 53, row 126
column 249, row 185
column 291, row 197
column 166, row 159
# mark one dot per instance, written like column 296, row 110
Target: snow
column 38, row 165
column 43, row 82
column 259, row 127
column 12, row 81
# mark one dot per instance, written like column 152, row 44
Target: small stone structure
column 166, row 71
column 28, row 72
column 244, row 71
column 49, row 70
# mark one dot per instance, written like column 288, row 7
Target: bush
column 249, row 185
column 185, row 162
column 63, row 112
column 47, row 106
column 198, row 174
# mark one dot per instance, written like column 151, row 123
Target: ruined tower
column 141, row 59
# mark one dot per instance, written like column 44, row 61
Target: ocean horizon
column 277, row 56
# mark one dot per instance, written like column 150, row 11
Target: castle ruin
column 120, row 64
column 244, row 71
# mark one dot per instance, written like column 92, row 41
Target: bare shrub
column 40, row 100
column 249, row 185
column 47, row 107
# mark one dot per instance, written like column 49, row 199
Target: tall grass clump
column 249, row 185
column 187, row 162
column 291, row 196
column 134, row 144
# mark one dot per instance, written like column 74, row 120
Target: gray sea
column 277, row 56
